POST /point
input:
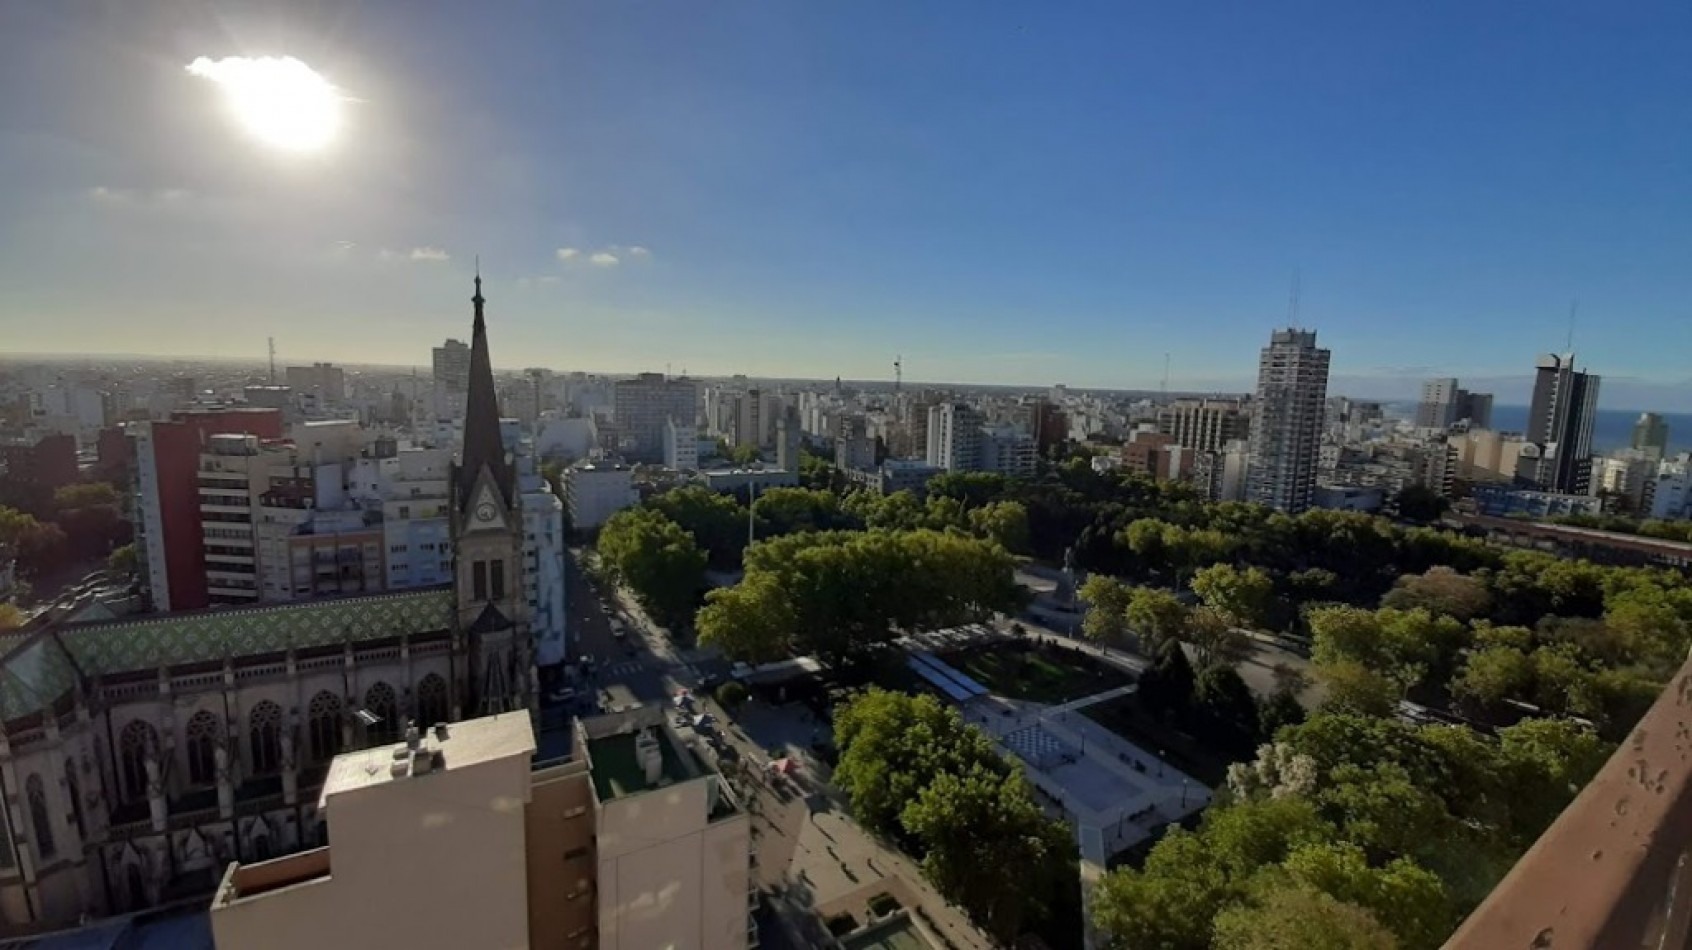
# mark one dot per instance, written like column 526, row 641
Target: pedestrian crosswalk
column 631, row 667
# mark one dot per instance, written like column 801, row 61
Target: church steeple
column 483, row 447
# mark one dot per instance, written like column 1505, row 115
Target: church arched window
column 324, row 721
column 202, row 736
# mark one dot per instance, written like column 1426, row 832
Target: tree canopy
column 657, row 560
column 913, row 769
column 837, row 595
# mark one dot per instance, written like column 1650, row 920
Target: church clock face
column 486, row 513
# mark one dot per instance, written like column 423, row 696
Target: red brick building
column 167, row 456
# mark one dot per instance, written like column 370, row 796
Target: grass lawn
column 1124, row 717
column 1042, row 675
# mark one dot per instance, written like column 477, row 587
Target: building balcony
column 1613, row 869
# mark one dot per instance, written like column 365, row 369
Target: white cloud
column 425, row 254
column 611, row 255
column 113, row 197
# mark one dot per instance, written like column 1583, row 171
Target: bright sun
column 281, row 101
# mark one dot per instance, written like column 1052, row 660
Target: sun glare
column 280, row 100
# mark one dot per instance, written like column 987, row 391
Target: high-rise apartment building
column 171, row 539
column 1287, row 420
column 1477, row 408
column 324, row 381
column 787, row 439
column 854, row 450
column 1205, row 425
column 954, row 437
column 452, row 367
column 1438, row 408
column 641, row 406
column 1558, row 456
column 1444, row 404
column 681, row 445
column 1650, row 434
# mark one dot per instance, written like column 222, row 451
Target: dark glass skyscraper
column 1565, row 404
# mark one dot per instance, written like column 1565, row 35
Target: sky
column 996, row 192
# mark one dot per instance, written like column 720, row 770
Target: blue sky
column 999, row 192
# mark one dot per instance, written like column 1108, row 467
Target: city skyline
column 807, row 193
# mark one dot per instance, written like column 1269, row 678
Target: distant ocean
column 1613, row 429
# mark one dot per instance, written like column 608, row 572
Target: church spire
column 483, row 446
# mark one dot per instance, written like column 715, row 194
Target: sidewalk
column 813, row 858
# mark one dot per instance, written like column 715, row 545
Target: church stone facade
column 139, row 756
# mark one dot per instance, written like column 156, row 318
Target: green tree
column 1420, row 503
column 1158, row 618
column 1544, row 761
column 84, row 495
column 1243, row 596
column 1216, row 642
column 752, row 621
column 1441, row 591
column 657, row 560
column 789, row 510
column 744, row 454
column 1354, row 688
column 731, row 695
column 973, row 489
column 1171, row 903
column 123, row 560
column 1298, row 918
column 1166, row 690
column 717, row 521
column 1107, row 600
column 38, row 546
column 987, row 846
column 1005, row 522
column 1403, row 896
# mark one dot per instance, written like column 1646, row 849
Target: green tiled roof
column 42, row 670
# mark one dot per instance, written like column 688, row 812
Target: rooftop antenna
column 1292, row 301
column 272, row 361
column 898, row 373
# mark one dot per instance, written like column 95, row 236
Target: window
column 38, row 817
column 72, row 789
column 405, row 511
column 479, row 580
column 324, row 715
column 264, row 737
column 431, row 701
column 380, row 700
column 498, row 570
column 202, row 748
column 137, row 740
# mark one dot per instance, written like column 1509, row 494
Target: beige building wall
column 563, row 914
column 429, row 860
column 667, row 876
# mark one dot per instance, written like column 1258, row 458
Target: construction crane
column 898, row 373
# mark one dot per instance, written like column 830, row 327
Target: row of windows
column 324, row 717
